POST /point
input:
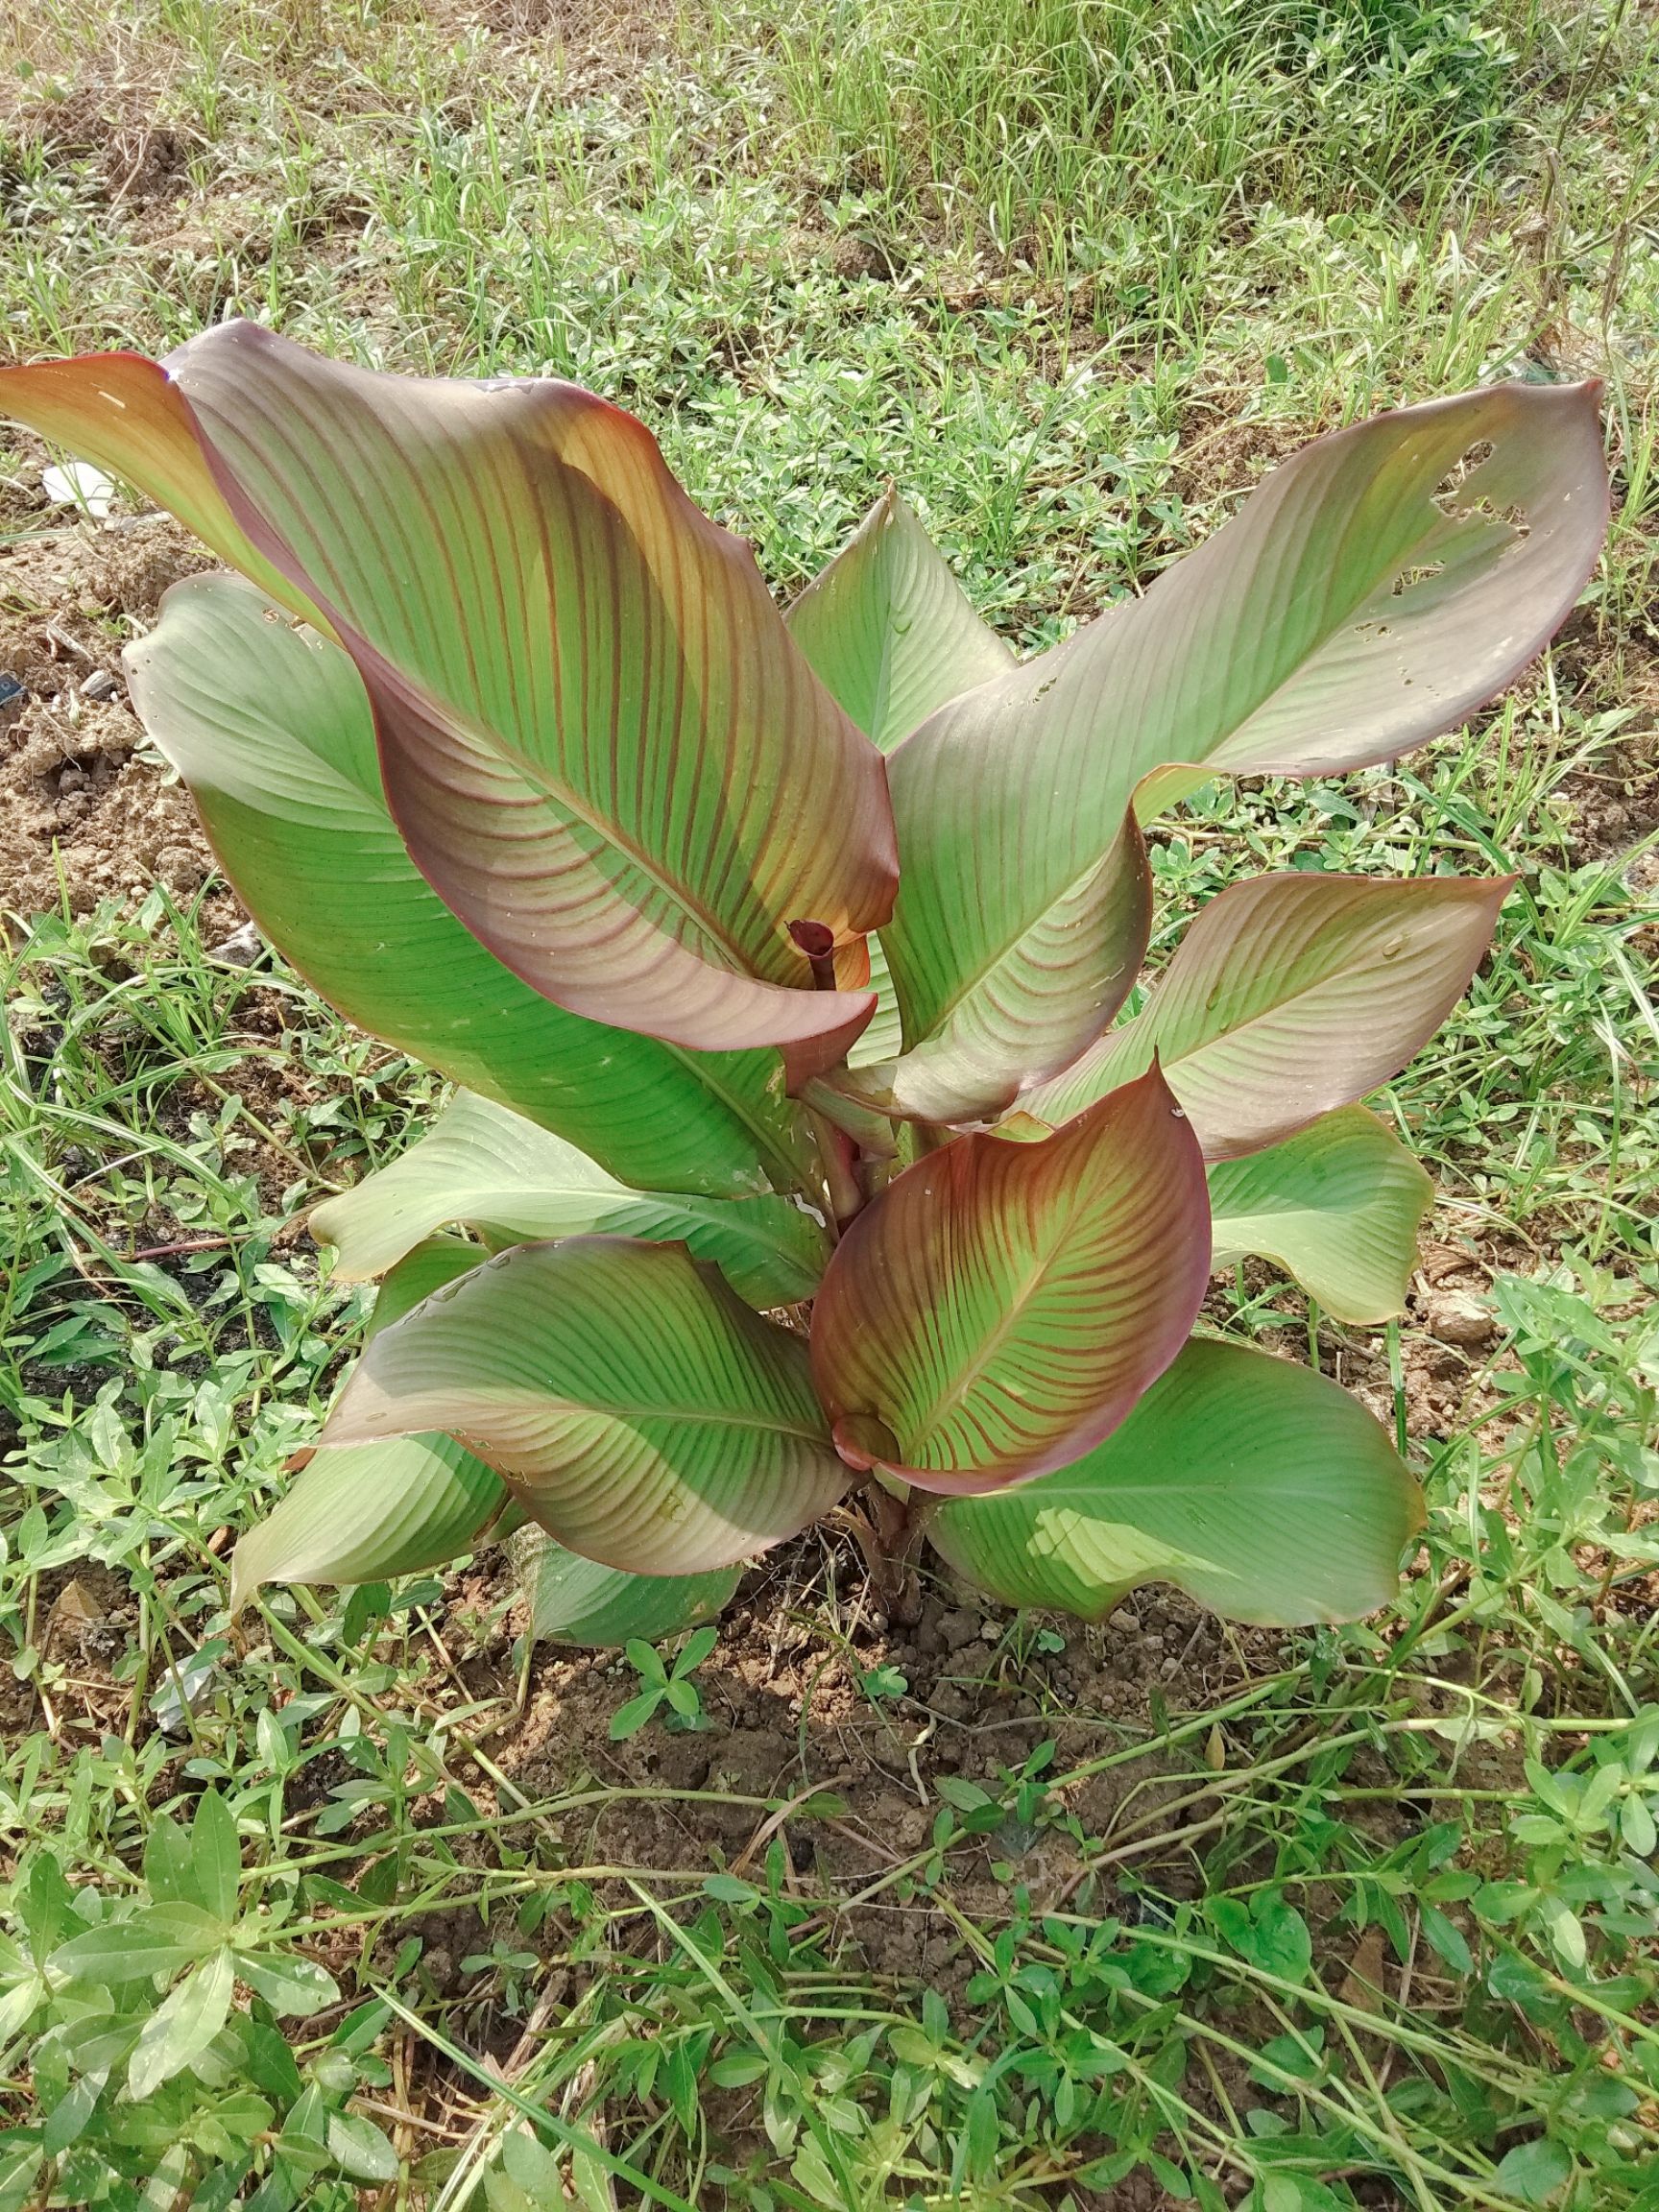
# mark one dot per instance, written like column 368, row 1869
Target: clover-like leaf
column 1289, row 995
column 1001, row 1305
column 1261, row 1488
column 634, row 1406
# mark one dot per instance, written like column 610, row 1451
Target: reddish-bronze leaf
column 1001, row 1306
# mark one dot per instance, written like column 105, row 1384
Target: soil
column 88, row 810
column 786, row 1715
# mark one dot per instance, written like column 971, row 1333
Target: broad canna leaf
column 575, row 1601
column 1340, row 1207
column 1261, row 1488
column 122, row 412
column 379, row 1511
column 1033, row 1011
column 892, row 634
column 881, row 1041
column 581, row 687
column 419, row 1271
column 1363, row 599
column 371, row 1513
column 1292, row 995
column 635, row 1406
column 271, row 728
column 888, row 629
column 1001, row 1305
column 513, row 1183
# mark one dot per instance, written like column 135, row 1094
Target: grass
column 1362, row 1917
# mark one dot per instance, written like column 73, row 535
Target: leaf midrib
column 958, row 1390
column 538, row 778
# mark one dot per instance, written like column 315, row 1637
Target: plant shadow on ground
column 995, row 1912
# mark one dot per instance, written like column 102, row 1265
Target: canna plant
column 809, row 1151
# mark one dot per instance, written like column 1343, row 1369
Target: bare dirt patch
column 790, row 1718
column 82, row 816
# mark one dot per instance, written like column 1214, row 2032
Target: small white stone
column 78, row 484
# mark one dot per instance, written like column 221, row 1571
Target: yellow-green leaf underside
column 1289, row 995
column 1261, row 1489
column 633, row 1404
column 1339, row 1207
column 515, row 1182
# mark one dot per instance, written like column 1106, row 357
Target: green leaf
column 1001, row 1306
column 294, row 1988
column 215, row 1857
column 635, row 1406
column 1637, row 1827
column 125, row 1951
column 1359, row 602
column 1032, row 1010
column 513, row 1182
column 647, row 1662
column 628, row 1720
column 181, row 2029
column 1268, row 1935
column 882, row 1040
column 1272, row 1495
column 1281, row 1943
column 359, row 2148
column 728, row 1890
column 581, row 688
column 369, row 1513
column 888, row 629
column 167, row 1868
column 1535, row 2173
column 1290, row 995
column 44, row 1904
column 1447, row 1938
column 390, row 1510
column 575, row 1601
column 271, row 729
column 192, row 1926
column 19, row 2006
column 1340, row 1207
column 699, row 1648
column 422, row 1269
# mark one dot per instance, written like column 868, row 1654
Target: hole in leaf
column 1445, row 493
column 1422, row 573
